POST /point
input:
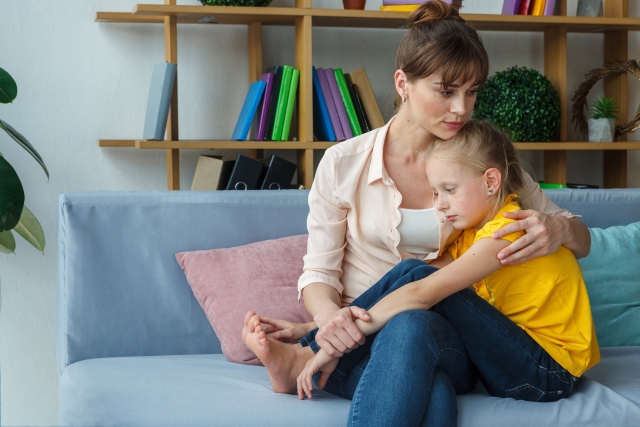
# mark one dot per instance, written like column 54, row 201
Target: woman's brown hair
column 438, row 39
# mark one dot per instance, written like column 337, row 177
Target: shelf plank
column 321, row 145
column 361, row 18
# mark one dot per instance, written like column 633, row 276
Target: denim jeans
column 409, row 372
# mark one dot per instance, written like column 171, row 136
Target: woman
column 367, row 193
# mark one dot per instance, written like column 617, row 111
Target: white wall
column 80, row 81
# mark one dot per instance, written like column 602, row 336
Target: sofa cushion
column 261, row 276
column 208, row 390
column 612, row 275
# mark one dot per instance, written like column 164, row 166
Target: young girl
column 527, row 328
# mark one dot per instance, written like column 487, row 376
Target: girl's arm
column 474, row 265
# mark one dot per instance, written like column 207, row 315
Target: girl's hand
column 286, row 331
column 321, row 362
column 545, row 234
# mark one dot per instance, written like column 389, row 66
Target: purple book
column 264, row 105
column 550, row 8
column 511, row 7
column 337, row 100
column 331, row 106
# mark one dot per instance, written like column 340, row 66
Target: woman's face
column 441, row 112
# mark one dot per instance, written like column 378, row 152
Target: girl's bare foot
column 284, row 362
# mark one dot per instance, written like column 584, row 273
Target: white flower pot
column 601, row 130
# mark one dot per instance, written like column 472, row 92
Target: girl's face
column 461, row 195
column 441, row 112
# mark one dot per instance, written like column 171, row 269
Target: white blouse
column 419, row 232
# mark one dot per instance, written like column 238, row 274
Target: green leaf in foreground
column 11, row 196
column 7, row 242
column 17, row 137
column 31, row 230
column 8, row 87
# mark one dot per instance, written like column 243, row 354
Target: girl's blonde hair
column 480, row 146
column 438, row 39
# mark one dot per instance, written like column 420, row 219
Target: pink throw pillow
column 261, row 276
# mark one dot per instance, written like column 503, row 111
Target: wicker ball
column 235, row 2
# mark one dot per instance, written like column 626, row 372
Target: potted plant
column 521, row 101
column 14, row 215
column 602, row 123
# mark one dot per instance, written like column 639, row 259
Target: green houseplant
column 602, row 122
column 14, row 215
column 521, row 101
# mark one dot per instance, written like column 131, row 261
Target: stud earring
column 403, row 99
column 491, row 191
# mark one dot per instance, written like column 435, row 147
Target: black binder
column 243, row 173
column 277, row 174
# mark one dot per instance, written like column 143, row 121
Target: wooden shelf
column 152, row 13
column 320, row 145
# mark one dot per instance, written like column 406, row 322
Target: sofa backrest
column 122, row 293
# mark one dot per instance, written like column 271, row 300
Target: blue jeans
column 410, row 372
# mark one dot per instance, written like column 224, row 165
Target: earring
column 403, row 99
column 491, row 191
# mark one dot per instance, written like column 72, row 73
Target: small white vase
column 601, row 130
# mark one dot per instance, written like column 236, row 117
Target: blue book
column 249, row 109
column 321, row 121
column 159, row 101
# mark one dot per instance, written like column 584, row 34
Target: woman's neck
column 405, row 135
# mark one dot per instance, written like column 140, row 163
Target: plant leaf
column 8, row 87
column 11, row 196
column 29, row 228
column 24, row 143
column 7, row 243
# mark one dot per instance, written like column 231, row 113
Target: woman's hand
column 285, row 331
column 338, row 334
column 544, row 235
column 321, row 362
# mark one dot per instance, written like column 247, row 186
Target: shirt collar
column 376, row 167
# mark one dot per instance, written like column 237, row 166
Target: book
column 525, row 6
column 510, row 7
column 537, row 7
column 291, row 102
column 283, row 96
column 337, row 100
column 348, row 104
column 550, row 8
column 321, row 121
column 273, row 101
column 249, row 108
column 367, row 97
column 242, row 173
column 357, row 105
column 277, row 174
column 331, row 105
column 159, row 101
column 264, row 105
column 207, row 175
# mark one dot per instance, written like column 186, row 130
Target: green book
column 278, row 120
column 348, row 104
column 291, row 102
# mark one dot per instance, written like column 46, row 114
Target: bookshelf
column 615, row 26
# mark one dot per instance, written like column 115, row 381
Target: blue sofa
column 134, row 347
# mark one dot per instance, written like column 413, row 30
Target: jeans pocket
column 532, row 394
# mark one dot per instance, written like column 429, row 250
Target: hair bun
column 433, row 10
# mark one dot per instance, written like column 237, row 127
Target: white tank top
column 419, row 232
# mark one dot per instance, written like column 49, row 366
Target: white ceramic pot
column 601, row 130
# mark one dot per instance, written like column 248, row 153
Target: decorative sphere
column 522, row 102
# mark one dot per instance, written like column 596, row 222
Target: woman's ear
column 493, row 178
column 401, row 83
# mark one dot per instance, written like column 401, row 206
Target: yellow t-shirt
column 545, row 296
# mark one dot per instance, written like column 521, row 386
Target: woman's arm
column 474, row 265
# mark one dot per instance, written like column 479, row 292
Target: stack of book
column 344, row 105
column 243, row 173
column 271, row 101
column 411, row 5
column 529, row 7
